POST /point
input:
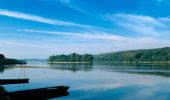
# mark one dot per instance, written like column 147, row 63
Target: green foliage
column 161, row 55
column 71, row 58
column 4, row 61
column 2, row 56
column 10, row 61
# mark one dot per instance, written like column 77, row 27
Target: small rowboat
column 13, row 81
column 37, row 94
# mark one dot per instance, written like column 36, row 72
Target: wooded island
column 71, row 58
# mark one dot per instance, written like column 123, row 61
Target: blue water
column 95, row 82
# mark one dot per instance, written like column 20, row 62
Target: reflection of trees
column 134, row 66
column 2, row 89
column 164, row 74
column 1, row 69
column 4, row 67
column 144, row 69
column 72, row 67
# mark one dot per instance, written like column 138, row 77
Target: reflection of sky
column 94, row 84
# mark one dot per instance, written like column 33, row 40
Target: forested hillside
column 160, row 55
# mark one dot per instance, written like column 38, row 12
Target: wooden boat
column 37, row 94
column 13, row 81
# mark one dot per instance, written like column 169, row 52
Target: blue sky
column 39, row 28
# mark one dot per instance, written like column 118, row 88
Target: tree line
column 6, row 61
column 2, row 56
column 160, row 55
column 71, row 58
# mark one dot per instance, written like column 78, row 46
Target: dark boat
column 37, row 94
column 13, row 81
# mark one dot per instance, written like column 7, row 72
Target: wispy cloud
column 166, row 19
column 40, row 19
column 71, row 5
column 115, row 42
column 104, row 43
column 140, row 24
column 87, row 35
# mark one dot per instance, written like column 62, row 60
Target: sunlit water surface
column 95, row 82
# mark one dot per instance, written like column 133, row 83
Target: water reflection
column 72, row 67
column 149, row 69
column 164, row 74
column 153, row 69
column 4, row 67
column 135, row 66
column 100, row 82
column 2, row 89
column 122, row 93
column 143, row 69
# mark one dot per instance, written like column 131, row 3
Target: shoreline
column 69, row 62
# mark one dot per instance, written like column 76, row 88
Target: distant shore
column 69, row 62
column 110, row 62
column 145, row 62
column 133, row 62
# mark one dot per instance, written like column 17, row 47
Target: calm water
column 96, row 82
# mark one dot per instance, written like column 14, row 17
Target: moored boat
column 13, row 81
column 37, row 94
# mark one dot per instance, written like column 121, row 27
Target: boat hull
column 37, row 94
column 13, row 81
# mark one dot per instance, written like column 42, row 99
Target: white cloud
column 149, row 30
column 73, row 6
column 139, row 24
column 86, row 35
column 139, row 19
column 107, row 42
column 36, row 18
column 166, row 19
column 44, row 48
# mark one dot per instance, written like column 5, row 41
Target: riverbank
column 69, row 62
column 11, row 61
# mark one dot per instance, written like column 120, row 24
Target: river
column 94, row 82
